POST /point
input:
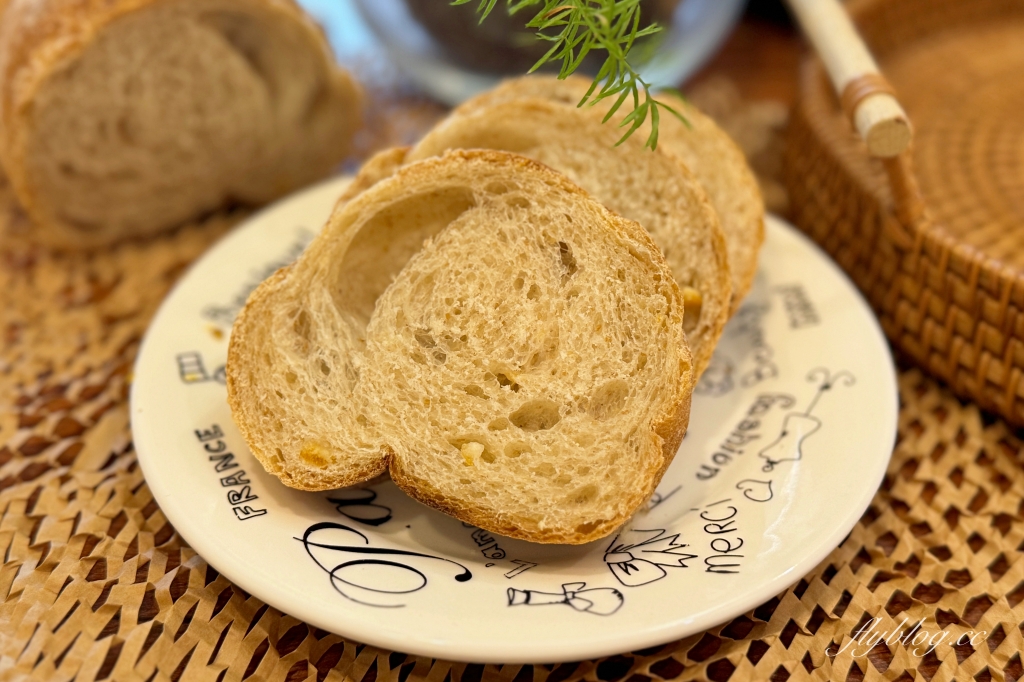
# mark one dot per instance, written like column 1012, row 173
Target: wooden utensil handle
column 866, row 96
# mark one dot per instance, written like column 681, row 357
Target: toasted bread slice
column 508, row 348
column 714, row 158
column 653, row 188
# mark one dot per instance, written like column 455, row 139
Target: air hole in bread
column 518, row 283
column 585, row 439
column 548, row 351
column 621, row 275
column 692, row 303
column 584, row 495
column 302, row 325
column 325, row 369
column 518, row 201
column 386, row 242
column 534, row 293
column 641, row 361
column 568, row 261
column 608, row 400
column 587, row 528
column 544, row 469
column 499, row 424
column 515, row 449
column 476, row 392
column 291, row 378
column 424, row 339
column 539, row 358
column 536, row 415
column 506, row 382
column 496, row 188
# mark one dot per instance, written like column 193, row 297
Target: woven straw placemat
column 97, row 585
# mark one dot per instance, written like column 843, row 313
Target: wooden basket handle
column 867, row 98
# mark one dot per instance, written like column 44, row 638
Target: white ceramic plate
column 791, row 430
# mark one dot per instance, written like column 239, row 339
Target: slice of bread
column 716, row 161
column 508, row 348
column 125, row 117
column 652, row 188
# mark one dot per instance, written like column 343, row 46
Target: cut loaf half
column 652, row 188
column 714, row 158
column 124, row 117
column 508, row 348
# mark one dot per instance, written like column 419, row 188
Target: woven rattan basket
column 942, row 265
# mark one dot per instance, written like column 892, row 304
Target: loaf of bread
column 509, row 349
column 652, row 188
column 125, row 117
column 714, row 158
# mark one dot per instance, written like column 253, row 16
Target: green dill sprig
column 576, row 28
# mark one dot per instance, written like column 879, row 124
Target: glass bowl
column 452, row 58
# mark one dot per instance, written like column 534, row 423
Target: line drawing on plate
column 658, row 498
column 488, row 544
column 378, row 582
column 192, row 369
column 639, row 563
column 756, row 491
column 601, row 601
column 521, row 567
column 716, row 379
column 797, row 427
column 359, row 505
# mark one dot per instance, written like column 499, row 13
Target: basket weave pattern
column 96, row 585
column 948, row 285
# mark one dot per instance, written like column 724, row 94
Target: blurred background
column 416, row 58
column 445, row 52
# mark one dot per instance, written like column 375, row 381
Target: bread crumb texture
column 508, row 347
column 651, row 187
column 127, row 117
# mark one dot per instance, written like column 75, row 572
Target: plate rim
column 394, row 639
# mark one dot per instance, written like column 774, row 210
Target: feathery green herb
column 577, row 27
